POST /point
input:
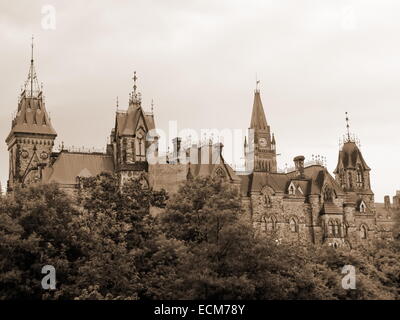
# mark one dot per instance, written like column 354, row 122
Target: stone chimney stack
column 396, row 200
column 387, row 202
column 299, row 165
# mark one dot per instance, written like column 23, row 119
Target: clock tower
column 260, row 138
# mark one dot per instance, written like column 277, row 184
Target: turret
column 31, row 139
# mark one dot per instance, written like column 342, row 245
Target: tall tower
column 31, row 139
column 263, row 141
column 352, row 172
column 130, row 138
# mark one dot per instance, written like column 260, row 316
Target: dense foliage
column 105, row 243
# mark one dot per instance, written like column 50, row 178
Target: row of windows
column 335, row 230
column 334, row 227
column 271, row 224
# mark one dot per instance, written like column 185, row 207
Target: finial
column 117, row 103
column 257, row 84
column 32, row 49
column 152, row 106
column 134, row 82
column 348, row 126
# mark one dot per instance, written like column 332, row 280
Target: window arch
column 346, row 229
column 271, row 223
column 293, row 225
column 363, row 207
column 328, row 193
column 363, row 232
column 350, row 179
column 292, row 189
column 360, row 178
column 337, row 229
column 331, row 228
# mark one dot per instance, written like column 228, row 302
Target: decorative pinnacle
column 134, row 82
column 152, row 106
column 257, row 84
column 117, row 102
column 347, row 126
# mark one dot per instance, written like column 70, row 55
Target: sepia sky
column 198, row 60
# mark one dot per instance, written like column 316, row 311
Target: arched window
column 292, row 189
column 342, row 178
column 363, row 232
column 360, row 178
column 328, row 193
column 363, row 207
column 337, row 229
column 271, row 223
column 346, row 229
column 263, row 225
column 350, row 180
column 331, row 228
column 293, row 225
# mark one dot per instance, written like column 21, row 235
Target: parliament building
column 305, row 204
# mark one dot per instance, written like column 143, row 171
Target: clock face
column 263, row 142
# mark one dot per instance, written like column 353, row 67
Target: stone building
column 306, row 204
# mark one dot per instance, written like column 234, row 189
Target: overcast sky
column 198, row 60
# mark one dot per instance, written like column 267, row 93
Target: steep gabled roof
column 315, row 177
column 128, row 121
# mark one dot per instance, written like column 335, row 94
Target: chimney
column 177, row 148
column 396, row 200
column 299, row 165
column 387, row 202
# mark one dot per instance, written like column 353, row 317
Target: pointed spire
column 258, row 119
column 273, row 139
column 31, row 84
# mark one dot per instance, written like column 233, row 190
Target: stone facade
column 306, row 204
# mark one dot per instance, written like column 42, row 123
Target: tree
column 36, row 229
column 226, row 260
column 98, row 241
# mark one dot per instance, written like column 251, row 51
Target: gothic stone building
column 306, row 204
